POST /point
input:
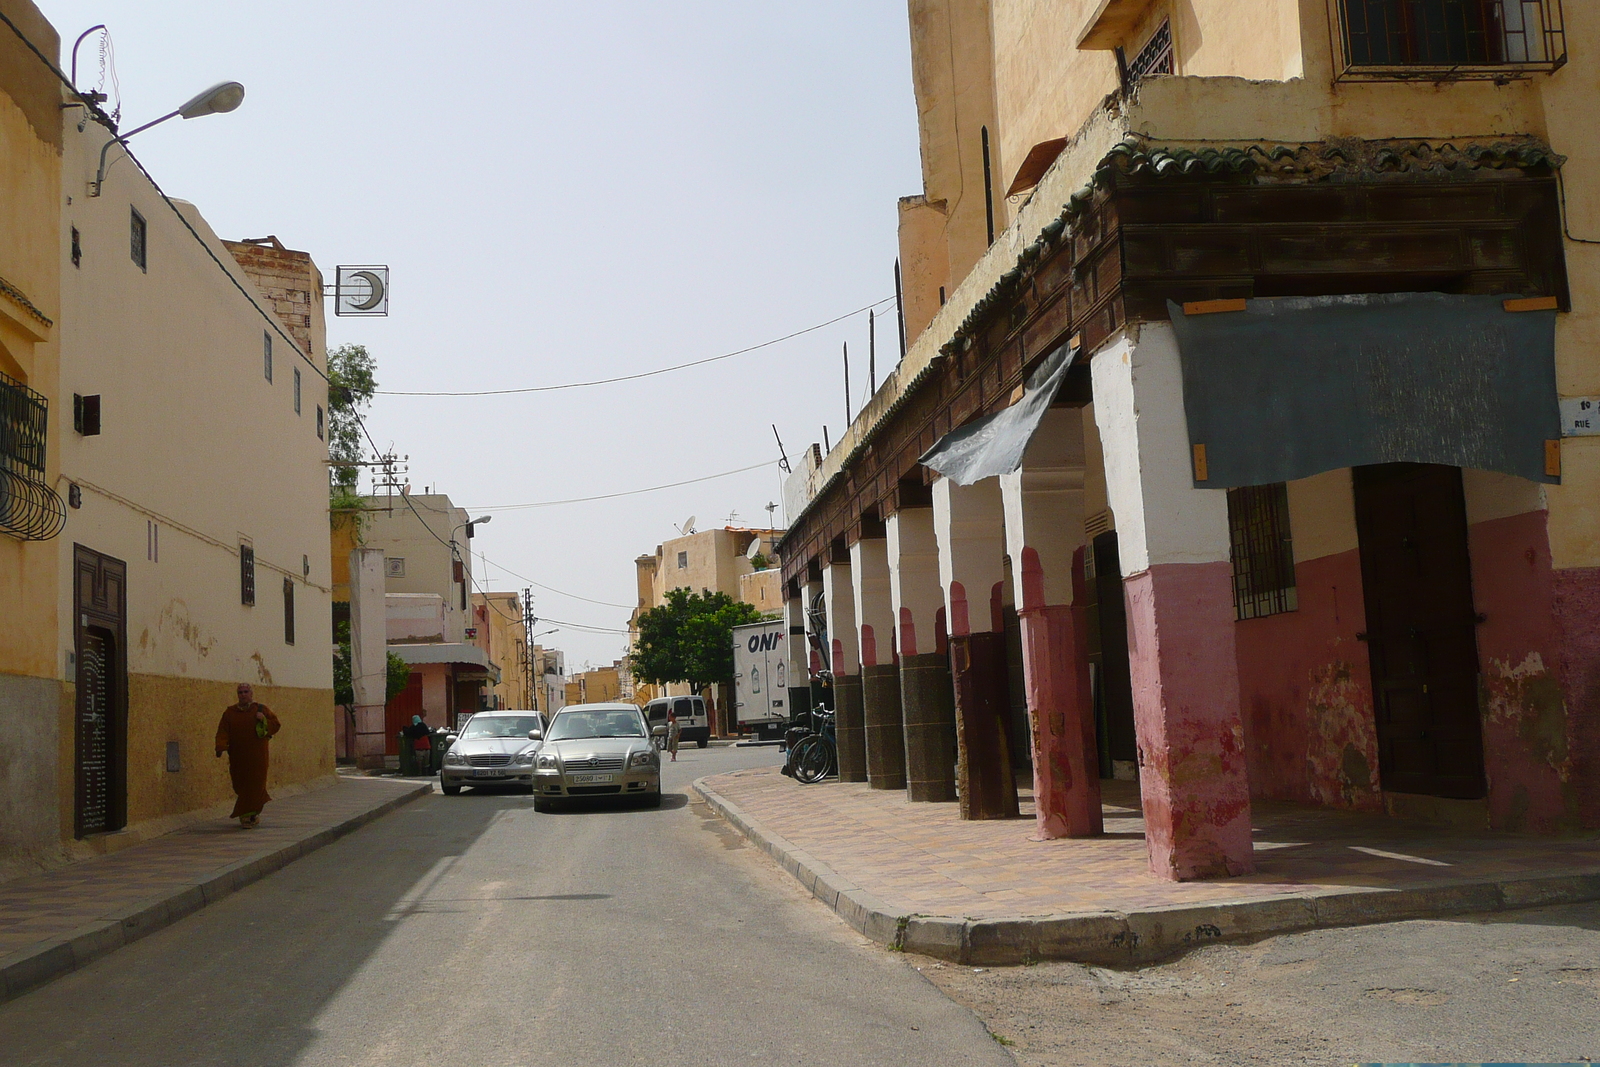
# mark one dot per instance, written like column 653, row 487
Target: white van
column 691, row 711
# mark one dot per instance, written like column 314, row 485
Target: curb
column 30, row 968
column 1149, row 935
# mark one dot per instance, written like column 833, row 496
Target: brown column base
column 847, row 728
column 928, row 706
column 885, row 735
column 982, row 695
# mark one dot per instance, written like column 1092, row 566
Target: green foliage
column 350, row 388
column 399, row 675
column 344, row 687
column 689, row 639
column 760, row 562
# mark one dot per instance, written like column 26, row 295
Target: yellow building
column 497, row 618
column 35, row 708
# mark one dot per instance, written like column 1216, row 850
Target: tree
column 399, row 672
column 351, row 385
column 689, row 638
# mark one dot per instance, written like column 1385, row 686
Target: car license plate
column 586, row 779
column 491, row 773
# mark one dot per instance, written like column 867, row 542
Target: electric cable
column 642, row 374
column 613, row 496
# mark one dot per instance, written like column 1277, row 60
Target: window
column 266, row 353
column 1453, row 33
column 319, row 422
column 77, row 248
column 152, row 541
column 1155, row 58
column 683, row 560
column 288, row 611
column 1262, row 551
column 297, row 390
column 86, row 414
column 247, row 575
column 137, row 235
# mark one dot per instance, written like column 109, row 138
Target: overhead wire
column 613, row 496
column 641, row 374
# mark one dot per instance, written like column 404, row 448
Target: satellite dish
column 688, row 526
column 754, row 550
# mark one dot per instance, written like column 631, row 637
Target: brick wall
column 288, row 279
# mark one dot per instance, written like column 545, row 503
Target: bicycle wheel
column 815, row 760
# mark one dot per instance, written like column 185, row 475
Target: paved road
column 1518, row 986
column 470, row 930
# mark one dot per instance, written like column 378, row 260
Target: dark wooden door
column 100, row 713
column 1112, row 687
column 1416, row 576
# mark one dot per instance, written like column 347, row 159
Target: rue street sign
column 1580, row 416
column 361, row 291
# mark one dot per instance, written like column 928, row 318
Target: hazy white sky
column 563, row 192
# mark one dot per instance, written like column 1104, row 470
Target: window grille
column 297, row 390
column 138, row 235
column 288, row 611
column 1155, row 58
column 77, row 248
column 683, row 560
column 29, row 508
column 266, row 353
column 247, row 575
column 1460, row 37
column 1262, row 551
column 319, row 422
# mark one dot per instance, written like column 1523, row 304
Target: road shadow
column 622, row 805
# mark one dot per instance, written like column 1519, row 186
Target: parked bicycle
column 815, row 756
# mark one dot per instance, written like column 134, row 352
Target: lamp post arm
column 121, row 139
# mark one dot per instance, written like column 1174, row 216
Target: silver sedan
column 597, row 750
column 494, row 748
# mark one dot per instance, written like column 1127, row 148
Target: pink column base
column 1066, row 774
column 1192, row 772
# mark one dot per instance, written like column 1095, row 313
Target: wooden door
column 100, row 713
column 1111, row 676
column 1411, row 522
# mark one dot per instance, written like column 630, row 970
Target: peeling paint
column 1342, row 750
column 261, row 668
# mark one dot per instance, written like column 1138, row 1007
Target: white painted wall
column 913, row 576
column 1161, row 517
column 969, row 524
column 839, row 594
column 869, row 570
column 1044, row 504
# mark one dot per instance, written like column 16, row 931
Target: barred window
column 297, row 390
column 138, row 235
column 266, row 354
column 288, row 611
column 247, row 575
column 1262, row 551
column 1453, row 33
column 1155, row 58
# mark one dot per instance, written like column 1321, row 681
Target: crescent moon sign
column 375, row 297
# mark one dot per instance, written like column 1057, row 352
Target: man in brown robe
column 243, row 734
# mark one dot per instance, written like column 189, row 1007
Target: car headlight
column 547, row 762
column 645, row 758
column 525, row 759
column 454, row 758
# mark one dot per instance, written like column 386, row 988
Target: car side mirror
column 659, row 731
column 535, row 735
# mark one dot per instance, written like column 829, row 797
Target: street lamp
column 220, row 99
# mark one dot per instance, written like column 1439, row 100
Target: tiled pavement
column 921, row 859
column 54, row 922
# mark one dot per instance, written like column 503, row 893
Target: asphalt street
column 471, row 930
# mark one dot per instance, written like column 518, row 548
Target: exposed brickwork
column 288, row 279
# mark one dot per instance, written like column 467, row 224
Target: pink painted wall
column 1530, row 725
column 1305, row 691
column 1577, row 613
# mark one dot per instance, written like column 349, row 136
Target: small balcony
column 1439, row 40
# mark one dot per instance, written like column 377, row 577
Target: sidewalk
column 915, row 877
column 54, row 923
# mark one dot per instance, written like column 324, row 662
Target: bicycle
column 816, row 756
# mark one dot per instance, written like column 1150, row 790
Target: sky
column 563, row 193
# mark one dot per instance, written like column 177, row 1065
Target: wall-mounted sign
column 1580, row 416
column 361, row 290
column 394, row 567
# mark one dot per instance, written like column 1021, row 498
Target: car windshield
column 500, row 726
column 576, row 725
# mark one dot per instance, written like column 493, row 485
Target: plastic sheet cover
column 994, row 444
column 1293, row 386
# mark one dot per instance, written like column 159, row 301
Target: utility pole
column 900, row 308
column 872, row 355
column 847, row 385
column 527, row 640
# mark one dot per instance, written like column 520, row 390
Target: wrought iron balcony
column 29, row 507
column 1443, row 39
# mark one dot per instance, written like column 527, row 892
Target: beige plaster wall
column 420, row 535
column 924, row 261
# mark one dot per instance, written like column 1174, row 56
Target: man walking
column 243, row 734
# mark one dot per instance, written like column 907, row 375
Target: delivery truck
column 761, row 678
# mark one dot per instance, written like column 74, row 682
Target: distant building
column 497, row 619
